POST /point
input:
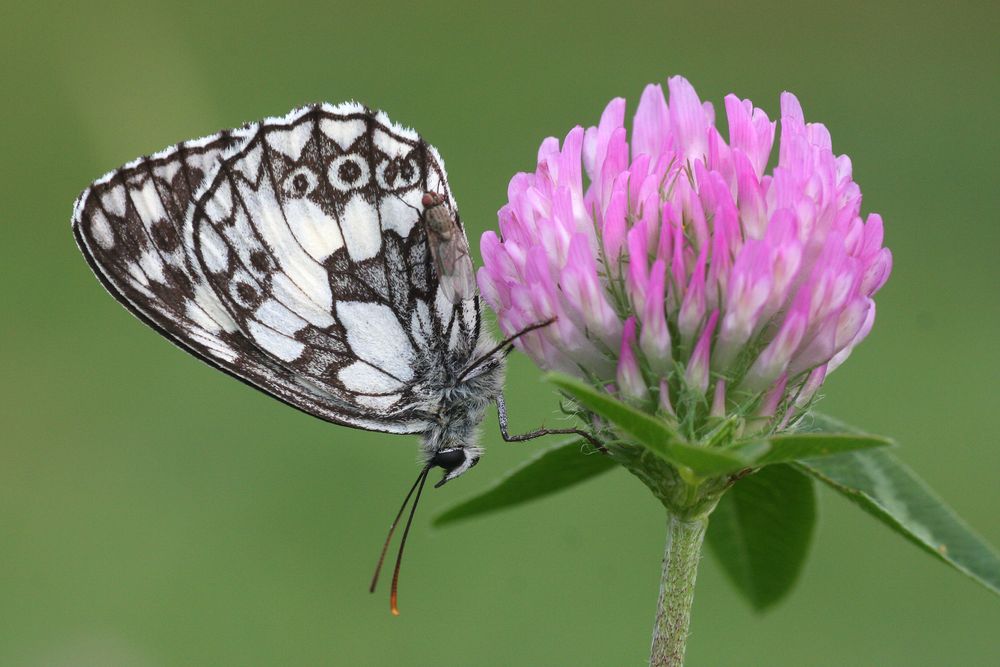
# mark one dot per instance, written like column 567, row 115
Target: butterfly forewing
column 290, row 254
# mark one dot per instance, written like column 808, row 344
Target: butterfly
column 320, row 258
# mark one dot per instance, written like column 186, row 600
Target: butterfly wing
column 201, row 243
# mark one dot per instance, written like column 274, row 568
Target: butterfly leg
column 531, row 435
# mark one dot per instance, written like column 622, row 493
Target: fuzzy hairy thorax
column 462, row 407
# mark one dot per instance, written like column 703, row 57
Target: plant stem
column 673, row 608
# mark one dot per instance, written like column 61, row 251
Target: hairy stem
column 673, row 608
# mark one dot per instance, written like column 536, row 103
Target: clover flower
column 682, row 274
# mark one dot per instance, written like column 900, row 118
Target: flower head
column 682, row 274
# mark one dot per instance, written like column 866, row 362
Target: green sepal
column 652, row 433
column 786, row 447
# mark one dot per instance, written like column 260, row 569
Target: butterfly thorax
column 463, row 403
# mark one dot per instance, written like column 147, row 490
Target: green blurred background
column 155, row 512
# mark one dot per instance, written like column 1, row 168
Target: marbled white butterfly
column 318, row 257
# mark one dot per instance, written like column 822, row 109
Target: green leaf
column 761, row 531
column 795, row 446
column 652, row 433
column 892, row 493
column 553, row 470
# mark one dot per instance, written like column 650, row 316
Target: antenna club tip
column 395, row 611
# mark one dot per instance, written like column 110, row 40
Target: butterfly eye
column 455, row 461
column 299, row 183
column 348, row 172
column 449, row 459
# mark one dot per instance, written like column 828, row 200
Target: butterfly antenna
column 392, row 528
column 393, row 596
column 503, row 344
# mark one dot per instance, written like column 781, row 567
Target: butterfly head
column 454, row 461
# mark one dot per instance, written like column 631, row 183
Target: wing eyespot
column 245, row 294
column 299, row 183
column 397, row 173
column 348, row 172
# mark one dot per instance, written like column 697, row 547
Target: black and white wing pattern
column 293, row 255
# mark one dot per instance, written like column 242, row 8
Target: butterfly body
column 462, row 403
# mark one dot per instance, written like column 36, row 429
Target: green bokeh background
column 156, row 512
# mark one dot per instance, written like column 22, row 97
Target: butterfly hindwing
column 130, row 226
column 291, row 253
